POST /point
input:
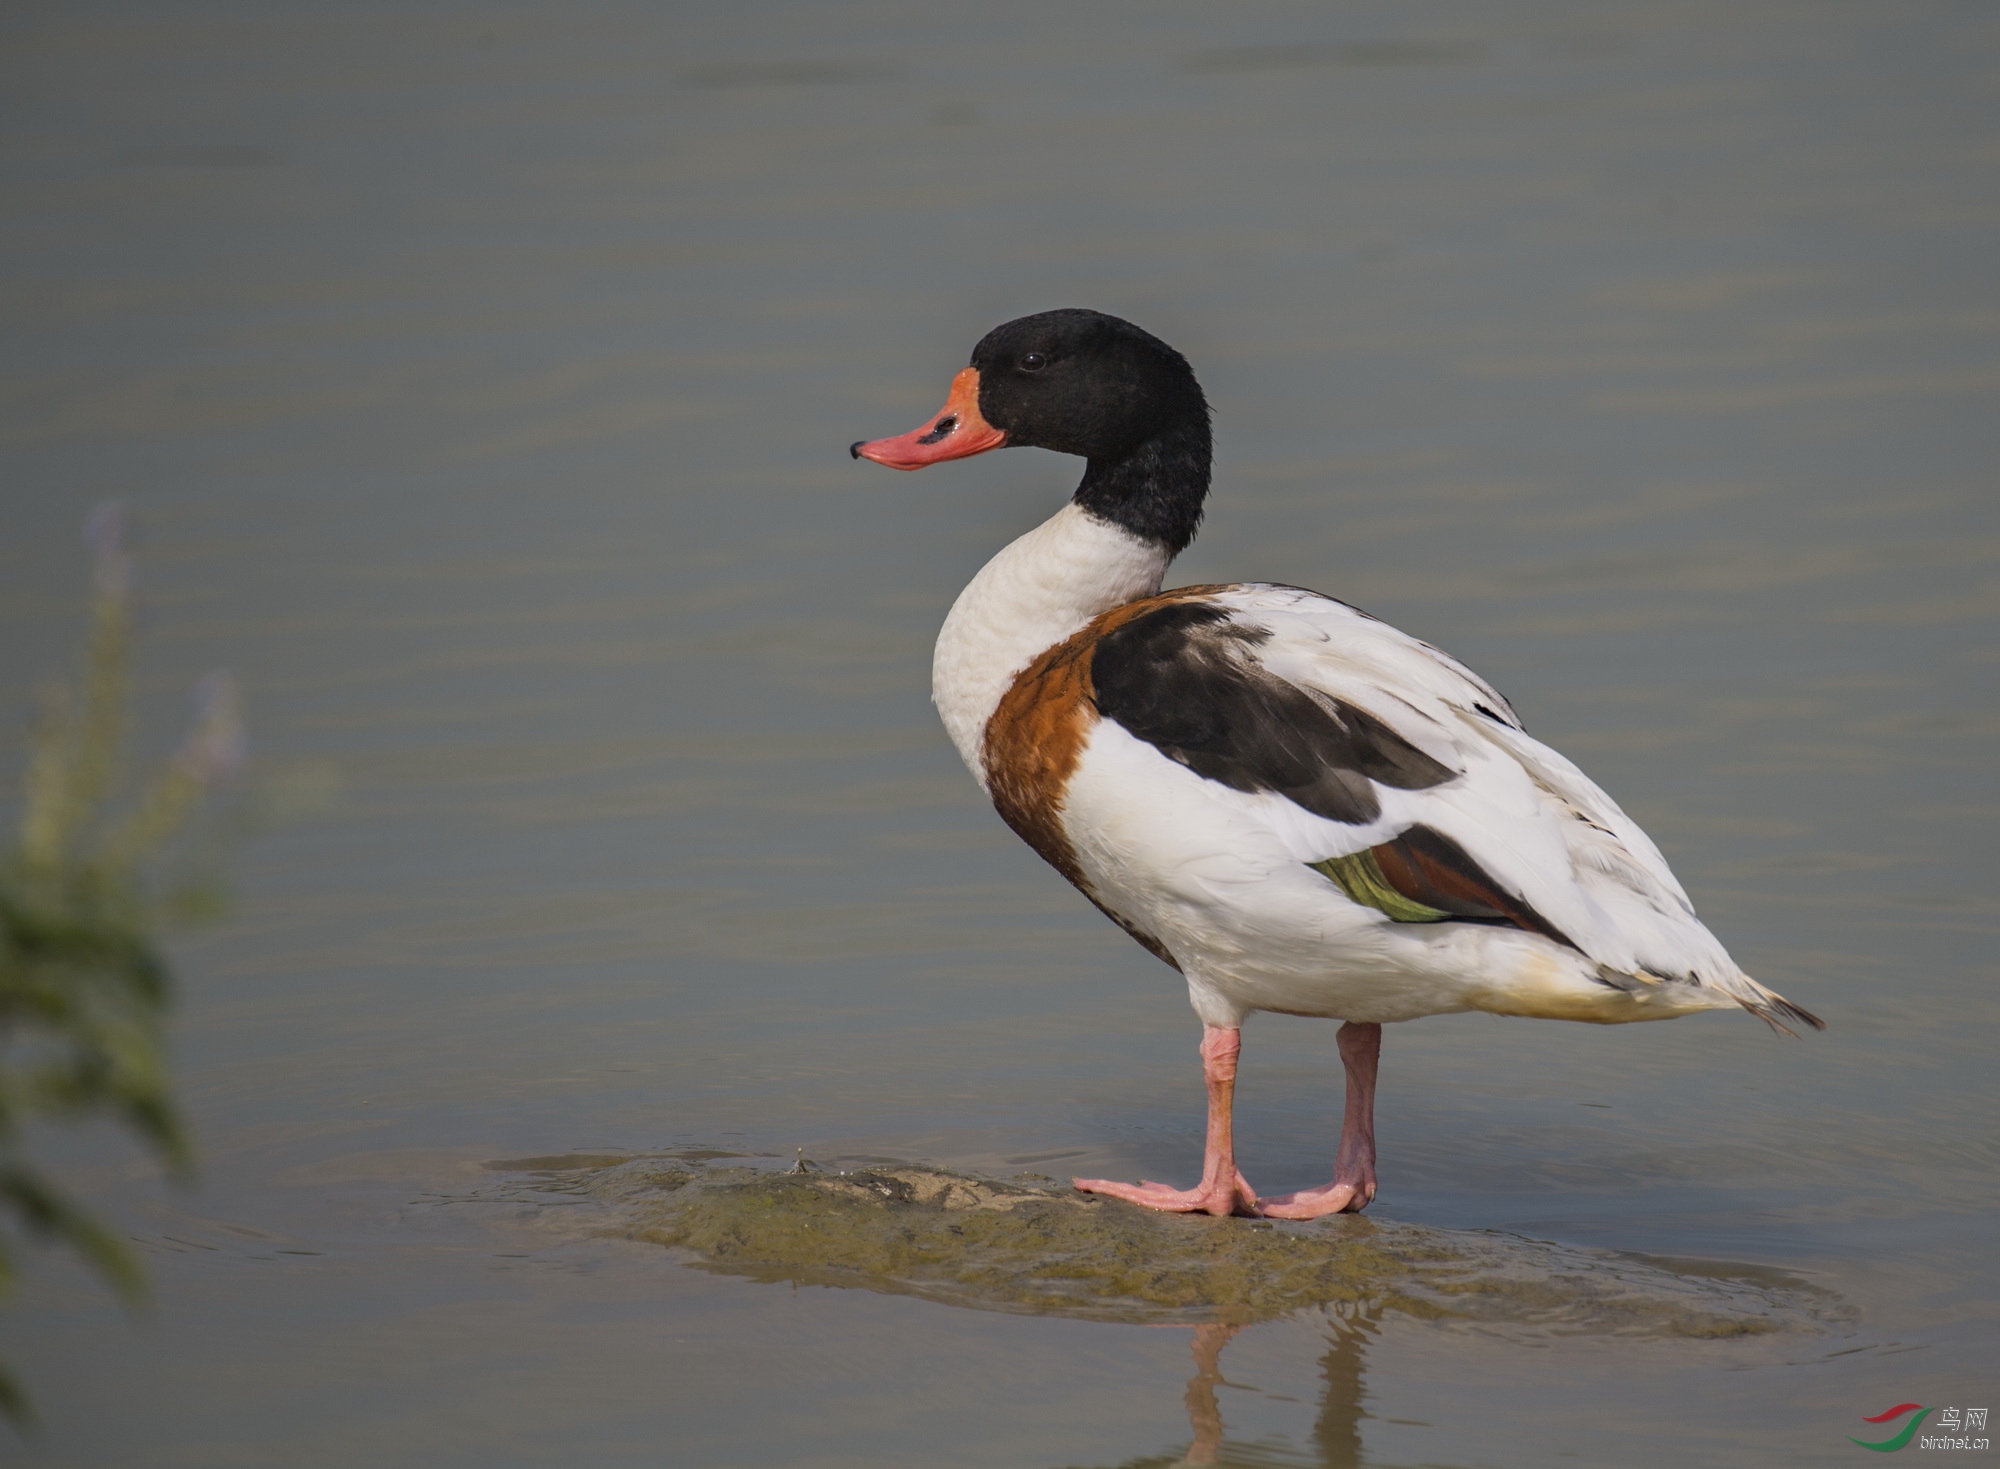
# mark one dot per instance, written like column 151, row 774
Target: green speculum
column 1360, row 877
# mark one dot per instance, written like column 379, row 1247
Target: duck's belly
column 1197, row 867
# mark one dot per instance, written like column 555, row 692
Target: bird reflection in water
column 1336, row 1435
column 1204, row 1412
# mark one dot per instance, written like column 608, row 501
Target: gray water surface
column 480, row 379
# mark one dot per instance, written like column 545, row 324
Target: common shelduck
column 1295, row 805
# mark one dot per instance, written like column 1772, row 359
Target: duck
column 1297, row 806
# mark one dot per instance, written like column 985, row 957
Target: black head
column 1081, row 382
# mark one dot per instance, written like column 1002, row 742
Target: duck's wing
column 1405, row 778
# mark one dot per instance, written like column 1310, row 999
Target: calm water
column 480, row 379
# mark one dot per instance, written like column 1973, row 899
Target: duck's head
column 1079, row 382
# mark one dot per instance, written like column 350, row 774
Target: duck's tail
column 1771, row 1007
column 1766, row 1004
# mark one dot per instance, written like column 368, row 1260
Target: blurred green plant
column 84, row 992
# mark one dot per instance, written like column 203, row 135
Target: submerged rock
column 1032, row 1246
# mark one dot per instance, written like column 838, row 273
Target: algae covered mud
column 1032, row 1245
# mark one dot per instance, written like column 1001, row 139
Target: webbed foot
column 1204, row 1198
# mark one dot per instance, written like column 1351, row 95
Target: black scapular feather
column 1185, row 679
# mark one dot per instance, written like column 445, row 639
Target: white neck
column 1033, row 595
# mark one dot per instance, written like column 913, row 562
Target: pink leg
column 1222, row 1189
column 1354, row 1168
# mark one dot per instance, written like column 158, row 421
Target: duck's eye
column 1034, row 362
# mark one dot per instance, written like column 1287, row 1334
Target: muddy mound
column 1031, row 1245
